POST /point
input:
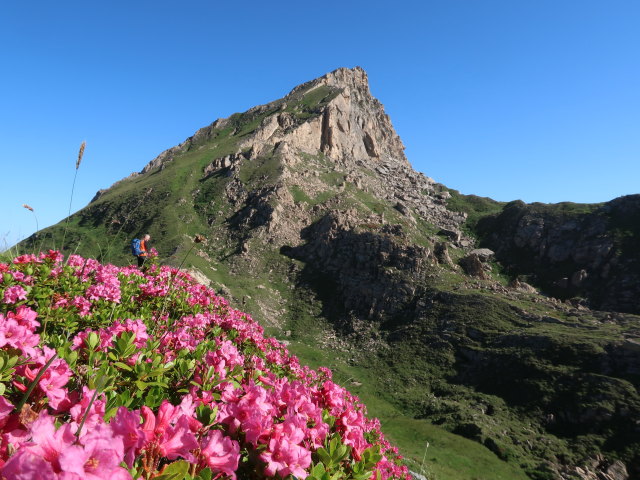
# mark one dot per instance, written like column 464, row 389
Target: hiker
column 140, row 249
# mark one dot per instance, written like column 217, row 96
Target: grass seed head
column 80, row 154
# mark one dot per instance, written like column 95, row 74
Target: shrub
column 112, row 372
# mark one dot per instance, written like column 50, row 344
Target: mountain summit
column 512, row 325
column 334, row 117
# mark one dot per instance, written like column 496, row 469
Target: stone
column 484, row 254
column 617, row 471
column 473, row 266
column 402, row 208
column 441, row 253
column 536, row 239
column 579, row 277
column 453, row 235
column 522, row 286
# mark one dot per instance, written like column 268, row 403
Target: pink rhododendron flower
column 106, row 286
column 53, row 380
column 26, row 465
column 82, row 304
column 127, row 425
column 135, row 326
column 98, row 458
column 285, row 458
column 18, row 336
column 25, row 316
column 333, row 396
column 221, row 453
column 94, row 413
column 75, row 260
column 253, row 413
column 14, row 293
column 5, row 410
column 52, row 255
column 276, row 417
column 169, row 432
column 22, row 278
column 47, row 442
column 28, row 258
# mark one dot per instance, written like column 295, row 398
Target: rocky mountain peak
column 347, row 124
column 344, row 78
column 332, row 123
column 334, row 114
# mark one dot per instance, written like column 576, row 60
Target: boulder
column 472, row 265
column 441, row 253
column 453, row 235
column 579, row 277
column 484, row 254
column 522, row 286
column 617, row 471
column 402, row 208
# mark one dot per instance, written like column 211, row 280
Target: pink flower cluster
column 268, row 413
column 107, row 335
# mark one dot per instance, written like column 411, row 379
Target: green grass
column 475, row 207
column 299, row 195
column 448, row 457
column 310, row 101
column 261, row 170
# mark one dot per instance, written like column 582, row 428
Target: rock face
column 598, row 470
column 592, row 252
column 359, row 266
column 349, row 128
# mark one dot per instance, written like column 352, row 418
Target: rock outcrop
column 573, row 250
column 360, row 266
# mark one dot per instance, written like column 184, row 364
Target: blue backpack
column 135, row 247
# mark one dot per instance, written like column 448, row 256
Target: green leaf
column 123, row 366
column 92, row 340
column 174, row 471
column 318, row 470
column 341, row 452
column 205, row 474
column 141, row 385
column 324, row 457
column 362, row 476
column 206, row 415
column 333, row 445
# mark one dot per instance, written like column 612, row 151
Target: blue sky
column 532, row 100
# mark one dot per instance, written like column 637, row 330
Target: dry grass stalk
column 80, row 154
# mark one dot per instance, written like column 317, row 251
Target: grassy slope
column 446, row 456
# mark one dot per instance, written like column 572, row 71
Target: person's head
column 146, row 237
